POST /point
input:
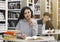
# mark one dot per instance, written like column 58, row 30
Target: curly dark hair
column 22, row 12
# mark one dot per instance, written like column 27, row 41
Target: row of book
column 14, row 5
column 13, row 14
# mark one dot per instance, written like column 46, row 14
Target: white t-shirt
column 43, row 28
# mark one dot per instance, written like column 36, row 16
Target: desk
column 55, row 32
column 44, row 38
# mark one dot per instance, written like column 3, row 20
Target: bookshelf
column 3, row 16
column 37, row 9
column 14, row 7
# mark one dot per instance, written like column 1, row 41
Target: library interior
column 30, row 20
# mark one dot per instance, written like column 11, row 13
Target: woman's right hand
column 23, row 36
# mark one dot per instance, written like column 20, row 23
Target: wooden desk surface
column 42, row 38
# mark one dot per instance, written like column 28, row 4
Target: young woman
column 26, row 24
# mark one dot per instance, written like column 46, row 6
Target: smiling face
column 27, row 14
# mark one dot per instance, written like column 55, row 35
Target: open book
column 34, row 38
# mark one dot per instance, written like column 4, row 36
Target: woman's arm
column 35, row 29
column 21, row 36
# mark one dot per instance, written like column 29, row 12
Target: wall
column 54, row 13
column 42, row 7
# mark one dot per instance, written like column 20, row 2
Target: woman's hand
column 23, row 36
